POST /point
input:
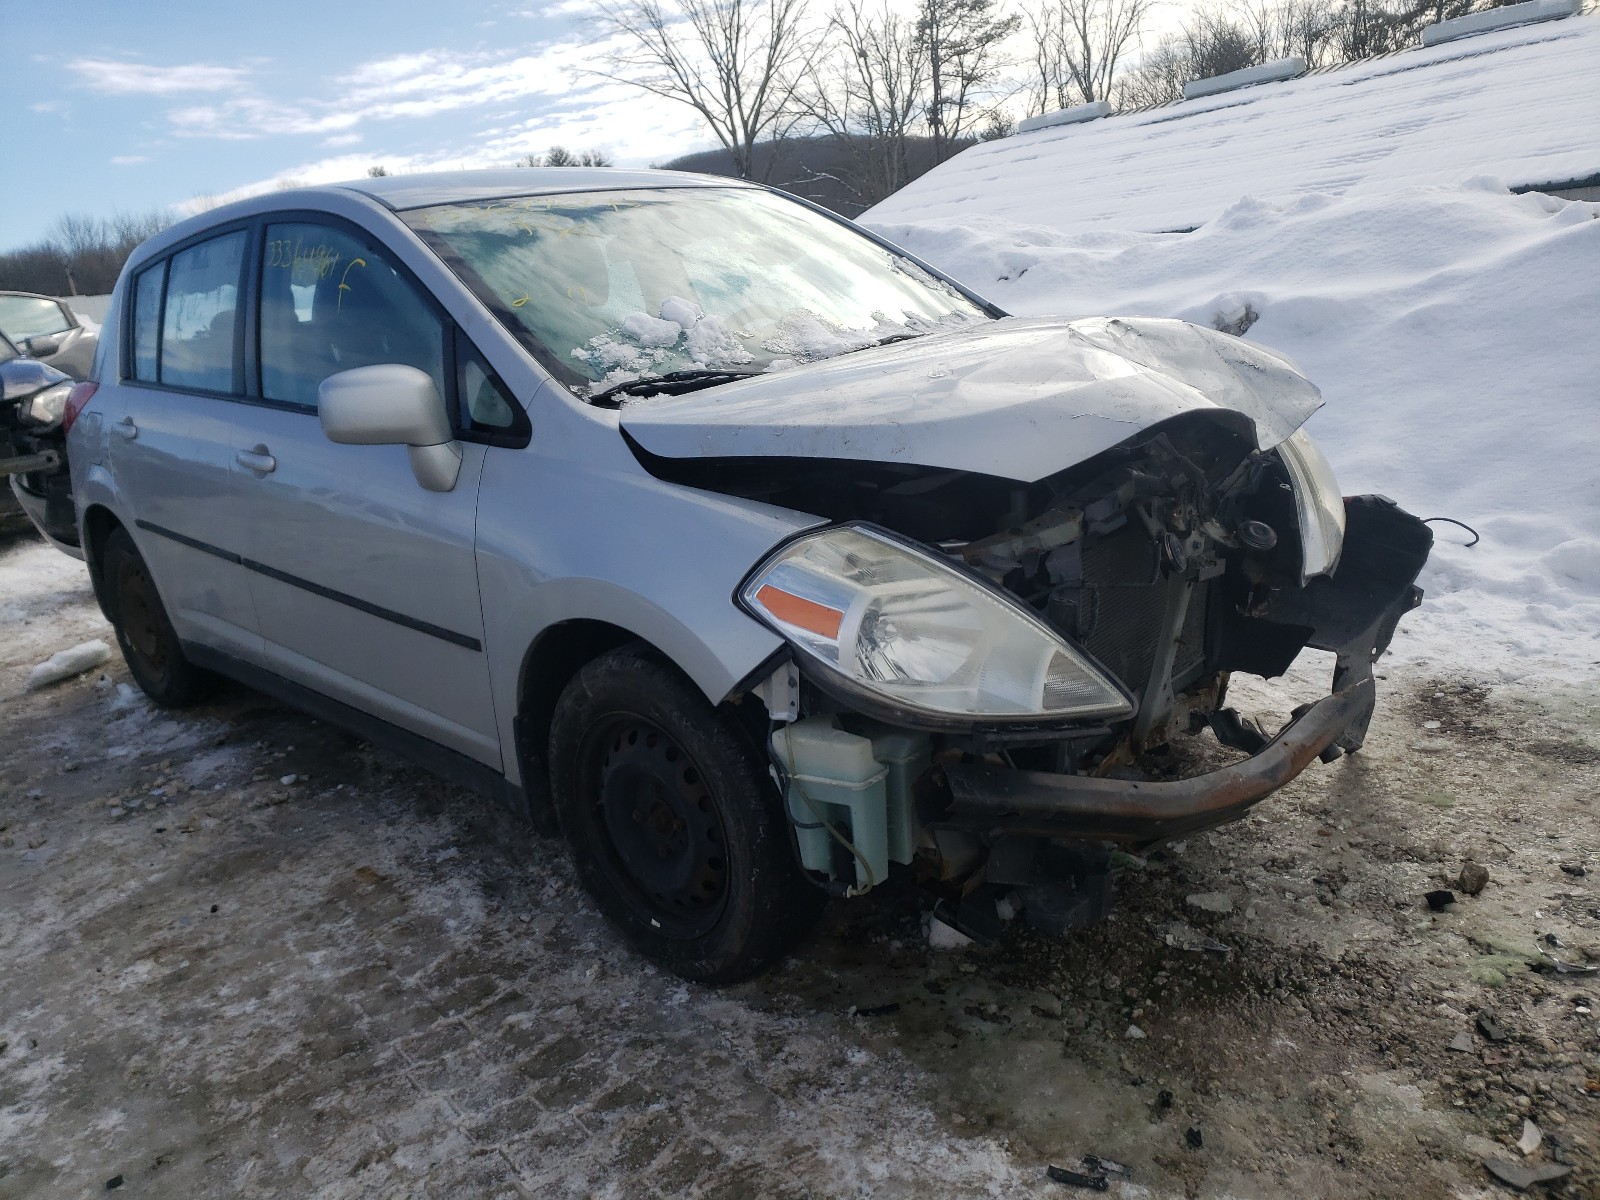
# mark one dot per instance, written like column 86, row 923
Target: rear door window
column 331, row 302
column 199, row 326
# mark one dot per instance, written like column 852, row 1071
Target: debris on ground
column 946, row 937
column 1463, row 1042
column 1105, row 1166
column 1194, row 1138
column 1135, row 1034
column 1576, row 870
column 1473, row 878
column 64, row 664
column 877, row 1010
column 1490, row 1028
column 1217, row 902
column 1095, row 1183
column 1531, row 1137
column 1439, row 900
column 1185, row 937
column 1554, row 966
column 1523, row 1176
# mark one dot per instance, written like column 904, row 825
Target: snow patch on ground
column 46, row 605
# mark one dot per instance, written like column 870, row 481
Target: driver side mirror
column 393, row 405
column 41, row 345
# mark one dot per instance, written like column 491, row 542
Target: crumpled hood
column 22, row 377
column 1019, row 398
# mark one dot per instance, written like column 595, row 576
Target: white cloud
column 593, row 113
column 109, row 75
column 129, row 160
column 607, row 118
column 564, row 8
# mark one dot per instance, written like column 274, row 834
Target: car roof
column 401, row 192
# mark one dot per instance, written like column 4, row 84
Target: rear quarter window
column 147, row 321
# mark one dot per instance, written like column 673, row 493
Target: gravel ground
column 245, row 954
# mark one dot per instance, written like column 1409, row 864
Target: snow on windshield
column 608, row 287
column 683, row 337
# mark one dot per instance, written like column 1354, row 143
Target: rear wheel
column 145, row 635
column 674, row 825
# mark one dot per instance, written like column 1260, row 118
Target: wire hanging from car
column 1476, row 537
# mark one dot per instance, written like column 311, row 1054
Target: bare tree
column 560, row 156
column 1300, row 28
column 1078, row 45
column 1157, row 78
column 961, row 39
column 735, row 62
column 81, row 254
column 867, row 93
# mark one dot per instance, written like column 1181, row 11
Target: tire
column 674, row 825
column 145, row 635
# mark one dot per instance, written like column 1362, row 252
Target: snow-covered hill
column 1522, row 105
column 1453, row 327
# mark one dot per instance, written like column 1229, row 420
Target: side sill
column 450, row 765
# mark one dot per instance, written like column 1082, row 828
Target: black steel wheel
column 145, row 635
column 675, row 827
column 662, row 834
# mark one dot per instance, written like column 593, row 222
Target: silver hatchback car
column 757, row 556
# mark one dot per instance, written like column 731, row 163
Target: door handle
column 257, row 460
column 126, row 429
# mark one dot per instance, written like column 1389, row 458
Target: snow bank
column 1453, row 333
column 1520, row 104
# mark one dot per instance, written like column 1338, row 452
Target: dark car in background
column 47, row 329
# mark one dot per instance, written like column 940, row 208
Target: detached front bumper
column 998, row 802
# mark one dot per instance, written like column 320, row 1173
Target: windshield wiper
column 673, row 383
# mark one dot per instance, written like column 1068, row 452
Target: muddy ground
column 245, row 954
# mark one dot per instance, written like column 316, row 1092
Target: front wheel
column 675, row 828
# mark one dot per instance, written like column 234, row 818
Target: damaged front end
column 33, row 397
column 913, row 725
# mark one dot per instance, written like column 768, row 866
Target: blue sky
column 151, row 104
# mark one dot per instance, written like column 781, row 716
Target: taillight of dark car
column 79, row 396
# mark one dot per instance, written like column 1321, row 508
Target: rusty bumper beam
column 27, row 464
column 995, row 800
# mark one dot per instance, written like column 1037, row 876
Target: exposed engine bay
column 1174, row 560
column 32, row 396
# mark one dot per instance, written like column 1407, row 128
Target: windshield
column 29, row 316
column 604, row 287
column 7, row 350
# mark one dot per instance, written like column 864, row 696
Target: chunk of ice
column 64, row 664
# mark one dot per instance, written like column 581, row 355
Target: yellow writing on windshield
column 344, row 280
column 308, row 263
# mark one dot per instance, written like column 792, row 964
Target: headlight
column 899, row 625
column 1317, row 502
column 46, row 407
